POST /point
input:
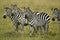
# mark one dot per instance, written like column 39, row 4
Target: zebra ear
column 23, row 7
column 52, row 8
column 28, row 7
column 13, row 5
column 6, row 7
column 55, row 9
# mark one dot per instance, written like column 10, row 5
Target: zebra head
column 54, row 14
column 7, row 12
column 27, row 12
column 16, row 10
column 14, row 6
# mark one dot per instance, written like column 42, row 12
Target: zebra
column 19, row 15
column 8, row 12
column 56, row 15
column 16, row 20
column 37, row 20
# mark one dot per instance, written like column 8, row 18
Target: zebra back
column 43, row 16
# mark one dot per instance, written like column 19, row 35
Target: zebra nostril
column 53, row 19
column 4, row 16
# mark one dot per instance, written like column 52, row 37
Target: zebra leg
column 42, row 28
column 16, row 28
column 22, row 28
column 46, row 28
column 30, row 30
column 35, row 29
column 15, row 25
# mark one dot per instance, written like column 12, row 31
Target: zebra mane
column 28, row 10
column 7, row 8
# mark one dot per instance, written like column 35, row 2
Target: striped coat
column 38, row 19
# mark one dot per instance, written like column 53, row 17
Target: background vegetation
column 7, row 28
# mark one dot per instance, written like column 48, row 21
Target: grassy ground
column 7, row 28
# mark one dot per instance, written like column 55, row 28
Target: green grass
column 7, row 28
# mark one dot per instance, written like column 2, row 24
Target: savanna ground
column 7, row 28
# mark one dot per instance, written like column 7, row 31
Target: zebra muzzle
column 4, row 16
column 53, row 19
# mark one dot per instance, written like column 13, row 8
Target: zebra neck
column 30, row 17
column 12, row 18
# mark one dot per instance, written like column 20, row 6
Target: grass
column 7, row 28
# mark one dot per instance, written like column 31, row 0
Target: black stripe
column 44, row 16
column 47, row 17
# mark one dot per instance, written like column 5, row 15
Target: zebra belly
column 40, row 23
column 22, row 20
column 37, row 23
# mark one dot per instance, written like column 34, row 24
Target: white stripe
column 44, row 16
column 48, row 18
column 38, row 13
column 41, row 17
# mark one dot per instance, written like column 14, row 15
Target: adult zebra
column 8, row 12
column 19, row 15
column 16, row 20
column 56, row 15
column 37, row 20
